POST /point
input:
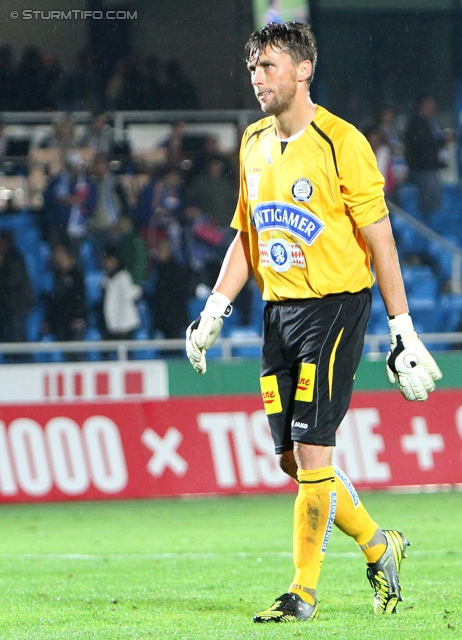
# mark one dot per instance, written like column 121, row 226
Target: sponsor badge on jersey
column 253, row 180
column 302, row 190
column 270, row 394
column 305, row 382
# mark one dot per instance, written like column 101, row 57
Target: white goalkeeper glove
column 202, row 333
column 408, row 361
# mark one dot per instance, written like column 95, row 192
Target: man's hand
column 408, row 361
column 202, row 333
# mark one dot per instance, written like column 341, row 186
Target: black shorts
column 311, row 350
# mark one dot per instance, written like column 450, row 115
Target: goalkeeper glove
column 202, row 333
column 408, row 361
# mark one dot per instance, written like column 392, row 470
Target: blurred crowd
column 126, row 241
column 151, row 230
column 414, row 149
column 38, row 82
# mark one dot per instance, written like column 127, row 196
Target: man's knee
column 288, row 464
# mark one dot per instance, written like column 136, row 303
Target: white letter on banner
column 217, row 426
column 164, row 452
column 106, row 454
column 67, row 457
column 371, row 444
column 7, row 483
column 27, row 443
column 271, row 473
column 459, row 421
column 244, row 450
column 346, row 452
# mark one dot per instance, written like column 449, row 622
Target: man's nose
column 257, row 76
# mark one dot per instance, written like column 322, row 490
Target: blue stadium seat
column 87, row 258
column 442, row 258
column 451, row 312
column 92, row 334
column 51, row 356
column 93, row 288
column 420, row 281
column 34, row 324
column 145, row 315
column 408, row 199
column 143, row 354
column 426, row 314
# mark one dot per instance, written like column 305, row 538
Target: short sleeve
column 240, row 218
column 361, row 182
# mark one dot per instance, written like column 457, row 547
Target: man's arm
column 381, row 244
column 236, row 267
column 234, row 273
column 408, row 361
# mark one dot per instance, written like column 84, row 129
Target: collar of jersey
column 294, row 137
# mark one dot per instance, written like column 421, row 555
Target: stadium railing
column 224, row 348
column 432, row 236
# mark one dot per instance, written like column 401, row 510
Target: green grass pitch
column 198, row 569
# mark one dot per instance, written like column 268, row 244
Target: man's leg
column 351, row 516
column 378, row 547
column 314, row 514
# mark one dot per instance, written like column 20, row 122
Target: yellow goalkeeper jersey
column 303, row 207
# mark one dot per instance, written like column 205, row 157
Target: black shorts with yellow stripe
column 311, row 350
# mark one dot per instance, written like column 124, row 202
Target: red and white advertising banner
column 203, row 445
column 85, row 382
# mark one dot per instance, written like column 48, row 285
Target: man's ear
column 305, row 69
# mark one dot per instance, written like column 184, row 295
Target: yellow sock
column 353, row 519
column 314, row 515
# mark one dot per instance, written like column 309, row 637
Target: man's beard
column 280, row 103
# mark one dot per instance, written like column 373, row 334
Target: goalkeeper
column 310, row 217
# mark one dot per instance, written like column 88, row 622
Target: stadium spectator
column 99, row 135
column 69, row 199
column 110, row 204
column 174, row 144
column 210, row 151
column 120, row 314
column 385, row 122
column 170, row 293
column 124, row 89
column 425, row 145
column 63, row 134
column 214, row 191
column 16, row 298
column 131, row 248
column 204, row 245
column 159, row 208
column 65, row 316
column 384, row 158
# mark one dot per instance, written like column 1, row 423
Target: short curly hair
column 294, row 38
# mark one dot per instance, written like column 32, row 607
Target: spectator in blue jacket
column 69, row 199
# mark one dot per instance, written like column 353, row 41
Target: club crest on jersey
column 281, row 216
column 302, row 190
column 279, row 254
